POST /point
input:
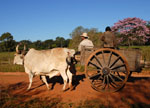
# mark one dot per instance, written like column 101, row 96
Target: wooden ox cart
column 108, row 69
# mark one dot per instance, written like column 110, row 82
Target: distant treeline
column 129, row 32
column 8, row 44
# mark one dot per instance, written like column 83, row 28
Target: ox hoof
column 72, row 88
column 66, row 90
column 63, row 90
column 48, row 89
column 27, row 89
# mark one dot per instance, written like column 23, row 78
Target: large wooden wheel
column 107, row 70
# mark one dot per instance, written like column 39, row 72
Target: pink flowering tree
column 148, row 26
column 132, row 31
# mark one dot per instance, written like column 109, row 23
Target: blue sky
column 47, row 19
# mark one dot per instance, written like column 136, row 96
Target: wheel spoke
column 113, row 85
column 100, row 77
column 115, row 61
column 104, row 82
column 117, row 76
column 90, row 77
column 109, row 58
column 94, row 65
column 107, row 81
column 113, row 80
column 98, row 61
column 103, row 57
column 98, row 84
column 117, row 67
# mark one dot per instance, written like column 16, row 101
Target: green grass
column 6, row 63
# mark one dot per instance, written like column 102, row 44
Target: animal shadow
column 58, row 79
column 77, row 79
column 54, row 80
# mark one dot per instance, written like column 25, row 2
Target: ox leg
column 30, row 80
column 69, row 74
column 45, row 81
column 65, row 78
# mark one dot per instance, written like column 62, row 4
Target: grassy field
column 6, row 63
column 6, row 59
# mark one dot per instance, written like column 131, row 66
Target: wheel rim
column 107, row 70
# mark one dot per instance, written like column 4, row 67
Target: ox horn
column 24, row 48
column 17, row 50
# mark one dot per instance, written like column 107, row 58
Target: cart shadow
column 133, row 79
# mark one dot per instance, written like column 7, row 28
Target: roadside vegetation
column 6, row 60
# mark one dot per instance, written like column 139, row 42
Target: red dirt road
column 136, row 90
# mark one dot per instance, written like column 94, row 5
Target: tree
column 132, row 30
column 6, row 37
column 6, row 42
column 93, row 34
column 28, row 44
column 47, row 44
column 66, row 43
column 148, row 26
column 75, row 35
column 38, row 44
column 59, row 41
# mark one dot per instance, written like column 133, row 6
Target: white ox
column 46, row 63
